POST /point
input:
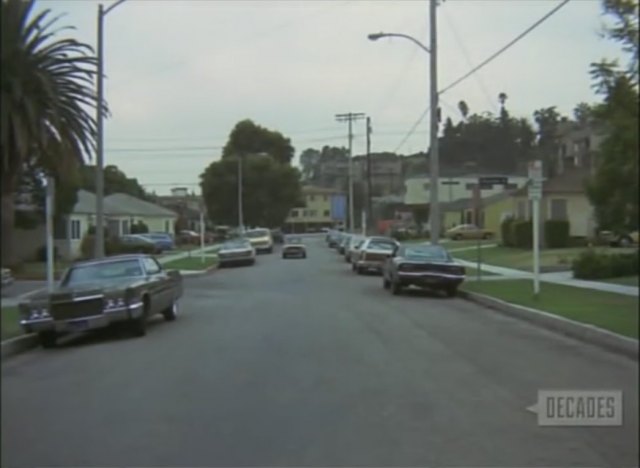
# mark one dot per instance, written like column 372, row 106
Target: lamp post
column 99, row 243
column 433, row 158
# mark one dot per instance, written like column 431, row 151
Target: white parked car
column 373, row 254
column 260, row 239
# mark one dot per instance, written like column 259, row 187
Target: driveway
column 302, row 362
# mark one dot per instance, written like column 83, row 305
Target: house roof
column 119, row 204
column 466, row 203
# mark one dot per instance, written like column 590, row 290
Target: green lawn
column 625, row 280
column 614, row 312
column 473, row 272
column 191, row 263
column 10, row 325
column 522, row 259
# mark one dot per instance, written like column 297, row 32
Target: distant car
column 353, row 246
column 137, row 243
column 97, row 293
column 333, row 237
column 260, row 239
column 619, row 239
column 7, row 277
column 277, row 236
column 468, row 231
column 188, row 237
column 342, row 244
column 163, row 240
column 373, row 253
column 236, row 251
column 424, row 266
column 294, row 247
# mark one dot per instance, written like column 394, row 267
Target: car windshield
column 430, row 253
column 380, row 245
column 96, row 272
column 235, row 244
column 293, row 240
column 255, row 233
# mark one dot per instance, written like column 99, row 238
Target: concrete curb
column 192, row 273
column 18, row 345
column 583, row 332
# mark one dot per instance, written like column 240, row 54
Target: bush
column 41, row 253
column 505, row 231
column 139, row 228
column 521, row 234
column 579, row 241
column 593, row 265
column 556, row 233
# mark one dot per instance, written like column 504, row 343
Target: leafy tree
column 271, row 190
column 308, row 160
column 115, row 181
column 464, row 109
column 48, row 100
column 583, row 113
column 613, row 189
column 248, row 138
column 547, row 120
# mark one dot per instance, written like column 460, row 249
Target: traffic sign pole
column 535, row 194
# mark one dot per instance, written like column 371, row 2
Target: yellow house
column 492, row 211
column 563, row 198
column 319, row 210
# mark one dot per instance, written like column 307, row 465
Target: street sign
column 450, row 182
column 492, row 180
column 535, row 190
column 535, row 170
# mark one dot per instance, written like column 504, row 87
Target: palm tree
column 502, row 97
column 464, row 109
column 47, row 102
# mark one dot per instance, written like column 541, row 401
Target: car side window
column 151, row 265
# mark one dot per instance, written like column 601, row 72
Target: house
column 120, row 211
column 491, row 211
column 186, row 205
column 386, row 173
column 323, row 208
column 563, row 198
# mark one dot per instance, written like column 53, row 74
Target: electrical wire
column 415, row 125
column 503, row 49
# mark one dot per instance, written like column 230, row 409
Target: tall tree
column 308, row 161
column 48, row 101
column 250, row 138
column 464, row 109
column 613, row 189
column 115, row 181
column 547, row 120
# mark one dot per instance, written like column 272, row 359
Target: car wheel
column 138, row 326
column 385, row 283
column 284, row 256
column 304, row 255
column 396, row 288
column 625, row 242
column 270, row 250
column 359, row 270
column 451, row 291
column 457, row 237
column 171, row 313
column 48, row 339
column 486, row 236
column 353, row 267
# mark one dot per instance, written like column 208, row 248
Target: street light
column 434, row 170
column 99, row 242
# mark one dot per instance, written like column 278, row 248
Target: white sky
column 181, row 74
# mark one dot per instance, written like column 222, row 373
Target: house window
column 294, row 213
column 313, row 213
column 426, row 186
column 327, row 213
column 76, row 233
column 167, row 226
column 468, row 217
column 558, row 209
column 325, row 198
column 312, row 197
column 125, row 226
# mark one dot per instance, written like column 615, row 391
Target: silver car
column 373, row 253
column 353, row 246
column 235, row 252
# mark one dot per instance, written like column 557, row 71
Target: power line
column 415, row 125
column 502, row 50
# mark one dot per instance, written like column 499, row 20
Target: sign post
column 49, row 207
column 535, row 194
column 202, row 234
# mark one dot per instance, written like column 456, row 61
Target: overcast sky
column 181, row 74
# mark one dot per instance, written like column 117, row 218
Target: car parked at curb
column 468, row 232
column 294, row 247
column 260, row 239
column 353, row 246
column 92, row 294
column 424, row 266
column 164, row 241
column 344, row 241
column 236, row 251
column 372, row 254
column 139, row 244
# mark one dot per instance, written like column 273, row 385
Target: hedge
column 593, row 265
column 505, row 231
column 521, row 234
column 556, row 233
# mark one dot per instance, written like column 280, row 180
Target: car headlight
column 39, row 313
column 115, row 303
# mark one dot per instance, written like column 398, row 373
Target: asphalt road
column 301, row 362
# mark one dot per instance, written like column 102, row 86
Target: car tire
column 385, row 283
column 486, row 236
column 451, row 291
column 304, row 255
column 625, row 241
column 359, row 270
column 138, row 326
column 457, row 237
column 353, row 267
column 48, row 339
column 396, row 288
column 270, row 250
column 171, row 313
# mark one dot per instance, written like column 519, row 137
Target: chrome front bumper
column 429, row 278
column 370, row 264
column 83, row 323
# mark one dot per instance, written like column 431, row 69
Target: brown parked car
column 97, row 293
column 468, row 231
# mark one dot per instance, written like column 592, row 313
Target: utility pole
column 434, row 166
column 369, row 190
column 99, row 239
column 240, row 210
column 350, row 117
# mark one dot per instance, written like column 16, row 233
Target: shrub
column 41, row 253
column 579, row 241
column 505, row 231
column 556, row 233
column 139, row 228
column 521, row 234
column 593, row 265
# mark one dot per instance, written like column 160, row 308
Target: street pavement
column 302, row 362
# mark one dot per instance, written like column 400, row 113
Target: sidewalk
column 563, row 277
